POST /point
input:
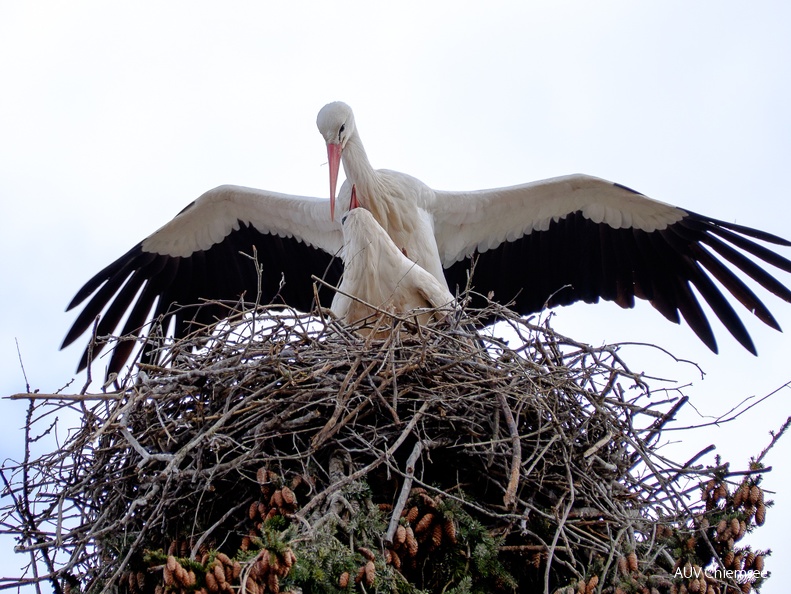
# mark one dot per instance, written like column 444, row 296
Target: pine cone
column 343, row 581
column 424, row 523
column 140, row 577
column 211, row 582
column 758, row 564
column 261, row 476
column 289, row 558
column 427, row 500
column 727, row 559
column 366, row 553
column 722, row 526
column 289, row 499
column 436, row 536
column 370, row 573
column 360, row 575
column 411, row 542
column 592, row 583
column 395, row 559
column 252, row 512
column 749, row 560
column 273, row 583
column 400, row 535
column 131, row 580
column 707, row 489
column 631, row 560
column 742, row 494
column 263, row 563
column 190, row 579
column 449, row 528
column 721, row 492
column 219, row 574
column 760, row 514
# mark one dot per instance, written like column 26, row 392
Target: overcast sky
column 114, row 117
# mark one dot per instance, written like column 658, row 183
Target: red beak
column 334, row 157
column 353, row 202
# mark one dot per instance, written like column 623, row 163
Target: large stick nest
column 288, row 452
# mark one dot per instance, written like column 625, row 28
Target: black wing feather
column 576, row 259
column 733, row 283
column 188, row 289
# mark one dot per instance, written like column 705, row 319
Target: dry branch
column 528, row 468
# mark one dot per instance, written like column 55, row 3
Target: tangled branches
column 287, row 452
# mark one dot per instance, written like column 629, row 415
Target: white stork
column 546, row 243
column 376, row 272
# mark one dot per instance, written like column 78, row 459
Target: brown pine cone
column 450, row 530
column 370, row 573
column 343, row 581
column 760, row 514
column 424, row 523
column 400, row 535
column 411, row 542
column 631, row 560
column 436, row 536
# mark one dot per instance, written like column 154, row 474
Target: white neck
column 371, row 192
column 356, row 164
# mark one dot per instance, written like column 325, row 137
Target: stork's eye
column 340, row 132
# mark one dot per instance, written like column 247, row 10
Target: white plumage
column 211, row 218
column 545, row 243
column 438, row 228
column 378, row 274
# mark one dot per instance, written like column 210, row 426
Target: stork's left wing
column 581, row 238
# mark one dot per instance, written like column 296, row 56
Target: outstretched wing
column 182, row 271
column 581, row 238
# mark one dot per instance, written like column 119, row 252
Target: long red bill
column 353, row 202
column 334, row 157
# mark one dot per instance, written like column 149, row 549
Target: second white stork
column 376, row 273
column 546, row 243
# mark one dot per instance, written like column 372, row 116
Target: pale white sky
column 114, row 116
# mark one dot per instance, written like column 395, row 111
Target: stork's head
column 360, row 229
column 336, row 124
column 357, row 231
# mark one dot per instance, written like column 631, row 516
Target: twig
column 403, row 496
